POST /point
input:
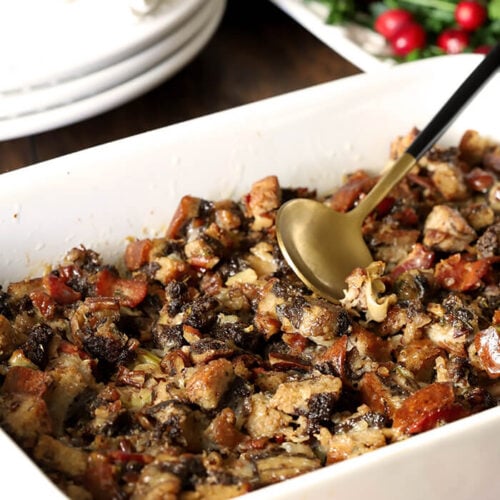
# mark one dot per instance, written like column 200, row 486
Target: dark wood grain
column 16, row 154
column 257, row 52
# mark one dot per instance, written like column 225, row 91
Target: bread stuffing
column 198, row 366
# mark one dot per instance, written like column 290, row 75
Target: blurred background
column 79, row 73
column 258, row 51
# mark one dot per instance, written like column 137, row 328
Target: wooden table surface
column 257, row 52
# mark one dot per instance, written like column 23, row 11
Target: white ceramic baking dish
column 101, row 196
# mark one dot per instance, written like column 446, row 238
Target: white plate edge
column 115, row 96
column 17, row 105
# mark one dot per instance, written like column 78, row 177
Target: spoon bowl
column 321, row 245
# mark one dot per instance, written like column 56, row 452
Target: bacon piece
column 120, row 456
column 335, row 357
column 44, row 303
column 72, row 274
column 487, row 344
column 385, row 206
column 376, row 395
column 69, row 348
column 296, row 342
column 458, row 274
column 137, row 254
column 496, row 317
column 426, row 408
column 56, row 287
column 407, row 216
column 46, row 292
column 129, row 292
column 186, row 210
column 480, row 180
column 419, row 258
column 345, row 197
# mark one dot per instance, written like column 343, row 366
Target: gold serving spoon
column 323, row 246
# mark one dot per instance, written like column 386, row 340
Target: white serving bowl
column 101, row 196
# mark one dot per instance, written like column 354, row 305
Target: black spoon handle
column 446, row 115
column 430, row 134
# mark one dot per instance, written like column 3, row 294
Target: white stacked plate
column 67, row 60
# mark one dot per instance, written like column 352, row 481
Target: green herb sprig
column 434, row 15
